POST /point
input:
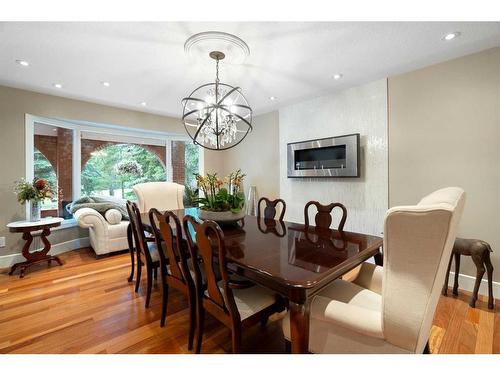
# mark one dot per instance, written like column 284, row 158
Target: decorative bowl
column 221, row 217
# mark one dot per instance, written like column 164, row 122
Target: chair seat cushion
column 153, row 251
column 348, row 305
column 370, row 277
column 352, row 294
column 339, row 308
column 250, row 301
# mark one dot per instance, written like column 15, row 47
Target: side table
column 26, row 228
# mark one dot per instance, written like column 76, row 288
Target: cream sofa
column 105, row 237
column 390, row 309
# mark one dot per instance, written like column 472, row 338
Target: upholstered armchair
column 107, row 233
column 390, row 309
column 160, row 195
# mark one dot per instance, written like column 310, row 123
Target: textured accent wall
column 361, row 110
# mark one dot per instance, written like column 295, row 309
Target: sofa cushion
column 113, row 216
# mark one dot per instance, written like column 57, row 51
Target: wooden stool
column 480, row 253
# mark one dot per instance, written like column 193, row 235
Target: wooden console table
column 26, row 228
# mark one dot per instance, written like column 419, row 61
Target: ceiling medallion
column 198, row 46
column 216, row 115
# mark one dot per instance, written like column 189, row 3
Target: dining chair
column 270, row 209
column 390, row 309
column 234, row 304
column 323, row 217
column 174, row 270
column 160, row 195
column 145, row 248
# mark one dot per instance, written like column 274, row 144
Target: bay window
column 81, row 159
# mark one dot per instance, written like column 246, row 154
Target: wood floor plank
column 484, row 343
column 87, row 306
column 451, row 341
column 436, row 338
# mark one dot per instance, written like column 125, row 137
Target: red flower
column 40, row 184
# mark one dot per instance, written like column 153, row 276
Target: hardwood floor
column 87, row 306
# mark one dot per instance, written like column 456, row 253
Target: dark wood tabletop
column 294, row 260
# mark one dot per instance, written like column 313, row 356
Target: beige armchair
column 160, row 195
column 390, row 309
column 105, row 236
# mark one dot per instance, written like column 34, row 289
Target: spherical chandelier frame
column 238, row 113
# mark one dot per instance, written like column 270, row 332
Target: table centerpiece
column 223, row 201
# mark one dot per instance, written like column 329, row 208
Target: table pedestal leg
column 299, row 327
column 36, row 256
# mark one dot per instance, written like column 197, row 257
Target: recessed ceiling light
column 337, row 76
column 272, row 98
column 105, row 84
column 23, row 62
column 144, row 104
column 451, row 36
column 57, row 85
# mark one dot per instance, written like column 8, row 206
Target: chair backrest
column 417, row 246
column 270, row 209
column 175, row 254
column 323, row 218
column 138, row 232
column 160, row 195
column 207, row 247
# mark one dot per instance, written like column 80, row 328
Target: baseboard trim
column 59, row 248
column 467, row 282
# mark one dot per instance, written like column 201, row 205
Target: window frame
column 116, row 130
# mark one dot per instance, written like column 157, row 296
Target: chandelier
column 216, row 115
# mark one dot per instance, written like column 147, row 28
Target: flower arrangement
column 36, row 191
column 218, row 198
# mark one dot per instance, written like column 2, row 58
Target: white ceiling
column 291, row 61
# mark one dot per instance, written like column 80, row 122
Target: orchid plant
column 216, row 197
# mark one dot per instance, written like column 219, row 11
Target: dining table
column 292, row 259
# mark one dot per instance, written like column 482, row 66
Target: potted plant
column 220, row 203
column 34, row 192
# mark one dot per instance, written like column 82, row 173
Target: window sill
column 67, row 223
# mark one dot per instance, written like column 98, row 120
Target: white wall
column 358, row 110
column 445, row 131
column 258, row 156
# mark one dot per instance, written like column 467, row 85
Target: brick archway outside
column 58, row 150
column 90, row 146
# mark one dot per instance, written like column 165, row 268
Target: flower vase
column 35, row 210
column 252, row 201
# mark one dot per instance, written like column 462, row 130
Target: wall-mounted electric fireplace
column 326, row 157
